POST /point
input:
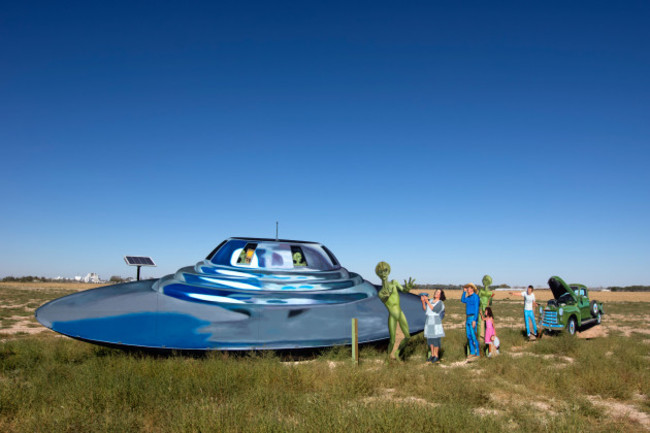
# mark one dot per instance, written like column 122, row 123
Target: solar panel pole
column 139, row 262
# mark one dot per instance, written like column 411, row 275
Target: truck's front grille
column 550, row 318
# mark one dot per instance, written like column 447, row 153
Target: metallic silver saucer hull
column 138, row 315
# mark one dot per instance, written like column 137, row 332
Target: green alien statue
column 485, row 297
column 297, row 259
column 389, row 295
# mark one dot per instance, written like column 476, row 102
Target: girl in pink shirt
column 490, row 332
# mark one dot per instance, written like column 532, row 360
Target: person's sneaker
column 430, row 359
column 435, row 359
column 532, row 337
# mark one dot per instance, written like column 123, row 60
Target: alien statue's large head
column 487, row 281
column 382, row 270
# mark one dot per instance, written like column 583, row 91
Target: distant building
column 91, row 278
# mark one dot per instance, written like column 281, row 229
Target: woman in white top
column 433, row 331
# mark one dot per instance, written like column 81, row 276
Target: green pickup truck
column 571, row 308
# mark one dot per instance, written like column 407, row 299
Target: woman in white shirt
column 529, row 314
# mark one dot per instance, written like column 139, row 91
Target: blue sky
column 508, row 138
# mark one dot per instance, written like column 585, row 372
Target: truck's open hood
column 560, row 288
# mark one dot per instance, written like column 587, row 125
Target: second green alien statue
column 389, row 295
column 485, row 297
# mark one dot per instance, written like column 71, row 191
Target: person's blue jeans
column 529, row 315
column 471, row 335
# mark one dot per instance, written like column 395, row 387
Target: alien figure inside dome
column 389, row 295
column 298, row 260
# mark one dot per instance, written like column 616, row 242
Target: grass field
column 600, row 382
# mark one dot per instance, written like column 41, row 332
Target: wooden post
column 355, row 341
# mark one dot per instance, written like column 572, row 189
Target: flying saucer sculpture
column 247, row 294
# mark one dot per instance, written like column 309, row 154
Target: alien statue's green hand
column 384, row 294
column 409, row 285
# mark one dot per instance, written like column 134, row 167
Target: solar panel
column 139, row 261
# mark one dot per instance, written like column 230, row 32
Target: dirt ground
column 19, row 300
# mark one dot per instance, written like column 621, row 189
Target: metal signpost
column 355, row 341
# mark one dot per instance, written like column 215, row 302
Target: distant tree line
column 437, row 287
column 629, row 289
column 453, row 286
column 27, row 279
column 35, row 279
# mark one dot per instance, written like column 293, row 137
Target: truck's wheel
column 594, row 308
column 571, row 326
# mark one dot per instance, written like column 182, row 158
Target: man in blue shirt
column 471, row 301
